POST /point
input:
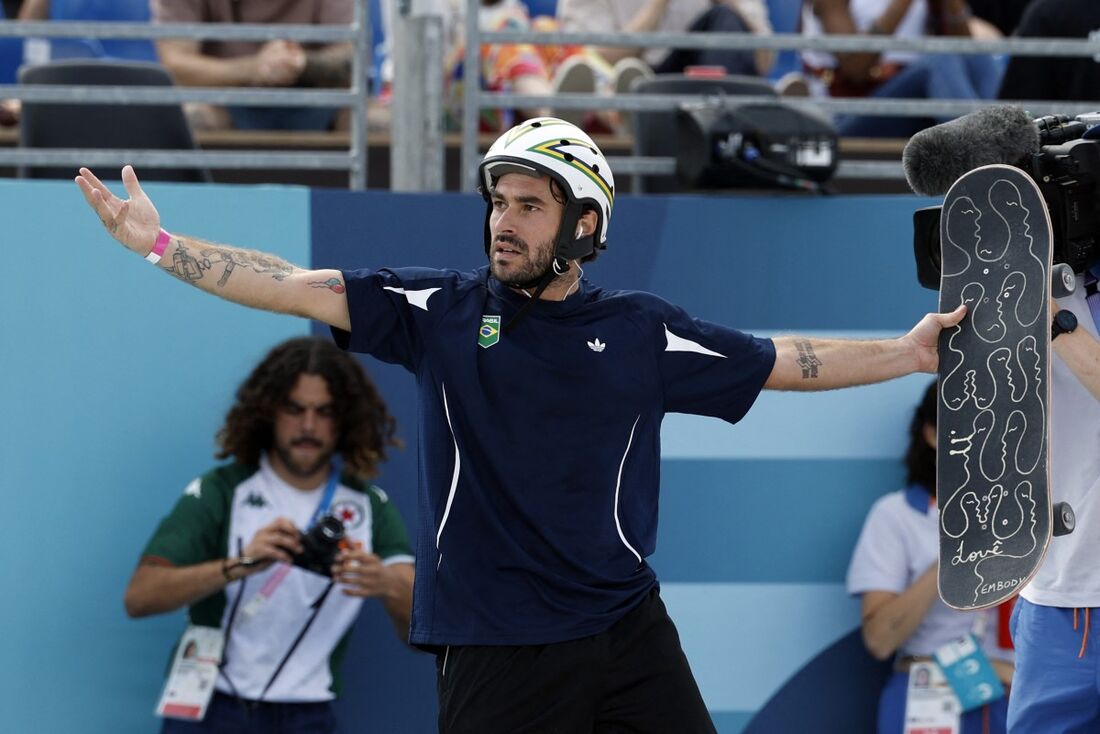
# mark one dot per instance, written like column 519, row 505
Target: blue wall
column 117, row 378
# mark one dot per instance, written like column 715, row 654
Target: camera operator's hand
column 279, row 541
column 361, row 573
column 364, row 574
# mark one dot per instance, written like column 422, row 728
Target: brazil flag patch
column 489, row 333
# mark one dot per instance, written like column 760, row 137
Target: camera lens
column 330, row 528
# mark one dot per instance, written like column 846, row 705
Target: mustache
column 306, row 441
column 511, row 240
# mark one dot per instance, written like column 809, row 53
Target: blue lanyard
column 326, row 496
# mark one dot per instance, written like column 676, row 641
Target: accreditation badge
column 190, row 684
column 969, row 672
column 931, row 706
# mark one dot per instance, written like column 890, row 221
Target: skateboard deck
column 992, row 456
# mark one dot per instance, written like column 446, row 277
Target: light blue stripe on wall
column 744, row 641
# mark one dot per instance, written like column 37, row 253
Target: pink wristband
column 158, row 249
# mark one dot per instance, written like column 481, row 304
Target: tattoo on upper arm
column 333, row 284
column 807, row 360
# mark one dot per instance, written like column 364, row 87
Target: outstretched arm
column 247, row 277
column 823, row 364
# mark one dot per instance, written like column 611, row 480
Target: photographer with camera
column 273, row 554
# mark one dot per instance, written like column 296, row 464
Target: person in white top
column 1057, row 688
column 893, row 570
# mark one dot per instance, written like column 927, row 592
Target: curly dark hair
column 365, row 428
column 920, row 459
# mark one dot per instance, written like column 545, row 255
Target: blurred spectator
column 897, row 74
column 645, row 16
column 893, row 571
column 276, row 63
column 36, row 51
column 614, row 69
column 29, row 10
column 41, row 50
column 1004, row 15
column 519, row 68
column 1055, row 77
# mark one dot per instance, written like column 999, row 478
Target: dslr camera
column 320, row 544
column 1067, row 170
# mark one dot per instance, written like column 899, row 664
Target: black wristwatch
column 1064, row 323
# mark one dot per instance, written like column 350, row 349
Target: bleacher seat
column 107, row 125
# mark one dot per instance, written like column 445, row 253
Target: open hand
column 133, row 222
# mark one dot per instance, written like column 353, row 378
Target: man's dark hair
column 920, row 459
column 364, row 427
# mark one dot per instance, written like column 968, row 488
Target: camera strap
column 316, row 609
column 326, row 496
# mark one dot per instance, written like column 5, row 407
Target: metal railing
column 354, row 160
column 476, row 99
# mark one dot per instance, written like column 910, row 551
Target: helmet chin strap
column 569, row 244
column 558, row 266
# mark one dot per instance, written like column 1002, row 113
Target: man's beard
column 298, row 469
column 536, row 267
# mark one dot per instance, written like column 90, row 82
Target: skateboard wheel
column 1064, row 519
column 1062, row 282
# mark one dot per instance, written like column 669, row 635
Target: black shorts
column 633, row 678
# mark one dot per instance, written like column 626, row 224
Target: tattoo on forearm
column 185, row 266
column 257, row 261
column 332, row 284
column 189, row 268
column 807, row 360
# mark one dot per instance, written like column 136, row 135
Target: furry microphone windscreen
column 935, row 158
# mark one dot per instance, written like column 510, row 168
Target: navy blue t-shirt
column 540, row 449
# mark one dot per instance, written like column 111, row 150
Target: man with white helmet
column 541, row 399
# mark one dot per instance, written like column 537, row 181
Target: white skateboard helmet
column 564, row 152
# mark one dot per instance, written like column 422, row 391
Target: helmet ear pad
column 567, row 245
